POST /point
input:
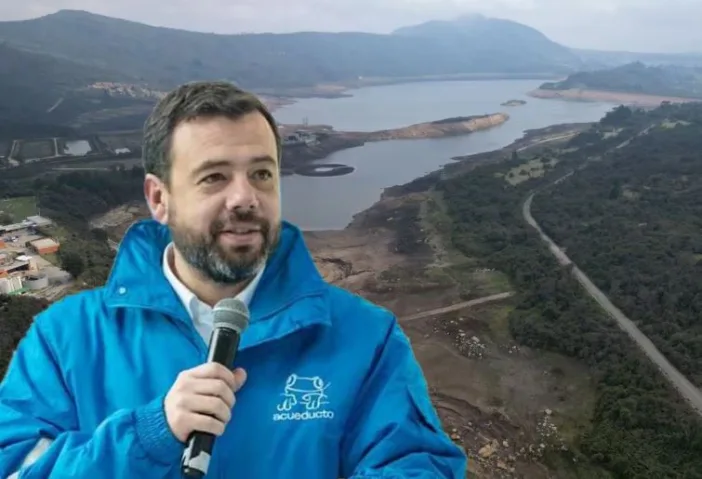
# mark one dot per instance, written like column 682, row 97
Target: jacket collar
column 290, row 282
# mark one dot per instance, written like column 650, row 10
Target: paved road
column 457, row 306
column 688, row 390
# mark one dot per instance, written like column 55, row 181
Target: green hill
column 164, row 57
column 663, row 80
column 38, row 90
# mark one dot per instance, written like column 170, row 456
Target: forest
column 633, row 223
column 633, row 229
column 637, row 77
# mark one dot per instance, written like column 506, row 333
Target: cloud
column 644, row 25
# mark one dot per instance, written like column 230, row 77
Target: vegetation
column 632, row 222
column 17, row 313
column 641, row 428
column 665, row 80
column 35, row 83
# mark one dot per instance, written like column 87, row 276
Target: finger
column 239, row 378
column 214, row 371
column 204, row 423
column 215, row 388
column 208, row 405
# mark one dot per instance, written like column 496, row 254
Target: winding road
column 687, row 390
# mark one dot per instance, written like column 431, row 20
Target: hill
column 629, row 217
column 495, row 43
column 42, row 93
column 164, row 57
column 638, row 233
column 637, row 78
column 599, row 60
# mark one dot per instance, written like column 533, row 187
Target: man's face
column 223, row 204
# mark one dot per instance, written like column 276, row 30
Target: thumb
column 240, row 378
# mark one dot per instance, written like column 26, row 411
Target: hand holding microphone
column 201, row 399
column 199, row 405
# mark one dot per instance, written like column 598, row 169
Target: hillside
column 637, row 78
column 41, row 91
column 638, row 233
column 600, row 60
column 630, row 220
column 164, row 57
column 500, row 41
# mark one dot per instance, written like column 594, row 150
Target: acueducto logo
column 303, row 398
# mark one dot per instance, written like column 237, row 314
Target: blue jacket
column 333, row 387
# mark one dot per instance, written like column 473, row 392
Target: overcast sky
column 637, row 25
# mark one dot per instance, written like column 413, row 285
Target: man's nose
column 241, row 194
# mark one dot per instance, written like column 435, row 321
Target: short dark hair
column 190, row 101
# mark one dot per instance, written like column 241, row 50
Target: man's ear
column 156, row 194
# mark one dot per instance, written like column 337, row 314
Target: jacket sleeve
column 394, row 431
column 40, row 433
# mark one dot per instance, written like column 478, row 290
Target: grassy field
column 36, row 149
column 531, row 169
column 19, row 208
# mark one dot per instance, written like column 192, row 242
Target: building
column 300, row 137
column 39, row 221
column 15, row 227
column 36, row 282
column 45, row 246
column 14, row 267
column 10, row 284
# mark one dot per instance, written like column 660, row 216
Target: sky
column 631, row 25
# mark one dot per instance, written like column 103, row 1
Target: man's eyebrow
column 217, row 163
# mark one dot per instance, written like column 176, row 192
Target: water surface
column 316, row 203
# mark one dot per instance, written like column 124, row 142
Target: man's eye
column 262, row 174
column 213, row 178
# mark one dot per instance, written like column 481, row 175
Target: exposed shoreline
column 622, row 98
column 330, row 141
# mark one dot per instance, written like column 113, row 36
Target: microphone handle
column 196, row 457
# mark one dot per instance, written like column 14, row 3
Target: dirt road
column 457, row 306
column 688, row 390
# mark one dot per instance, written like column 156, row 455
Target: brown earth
column 508, row 406
column 437, row 129
column 629, row 99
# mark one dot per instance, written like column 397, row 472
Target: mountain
column 498, row 40
column 663, row 80
column 164, row 57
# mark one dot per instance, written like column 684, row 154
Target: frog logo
column 303, row 399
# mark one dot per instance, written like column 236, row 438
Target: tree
column 72, row 263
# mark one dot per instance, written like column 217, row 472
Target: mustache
column 237, row 217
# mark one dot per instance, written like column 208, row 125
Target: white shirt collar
column 198, row 310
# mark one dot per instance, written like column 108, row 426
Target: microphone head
column 231, row 313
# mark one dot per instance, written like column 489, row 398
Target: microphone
column 231, row 317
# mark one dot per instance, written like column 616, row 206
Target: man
column 109, row 383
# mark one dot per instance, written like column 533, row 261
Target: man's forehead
column 219, row 141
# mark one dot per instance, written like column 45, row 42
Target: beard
column 224, row 265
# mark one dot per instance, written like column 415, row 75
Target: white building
column 10, row 285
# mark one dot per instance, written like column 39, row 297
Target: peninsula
column 305, row 143
column 634, row 84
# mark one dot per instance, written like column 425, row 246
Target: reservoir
column 319, row 203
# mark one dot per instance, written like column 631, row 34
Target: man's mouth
column 242, row 230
